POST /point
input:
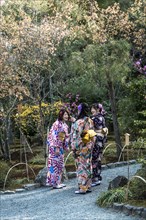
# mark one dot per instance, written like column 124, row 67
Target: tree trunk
column 5, row 140
column 42, row 129
column 4, row 147
column 50, row 88
column 114, row 115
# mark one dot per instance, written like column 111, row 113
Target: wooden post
column 127, row 139
column 127, row 144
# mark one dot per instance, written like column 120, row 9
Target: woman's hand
column 72, row 119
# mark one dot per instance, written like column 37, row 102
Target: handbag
column 88, row 135
column 61, row 136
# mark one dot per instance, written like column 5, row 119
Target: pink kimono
column 58, row 138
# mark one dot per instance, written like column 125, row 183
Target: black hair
column 97, row 106
column 94, row 106
column 83, row 111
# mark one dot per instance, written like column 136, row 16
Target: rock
column 119, row 164
column 137, row 211
column 132, row 161
column 118, row 206
column 71, row 175
column 9, row 192
column 31, row 186
column 119, row 181
column 104, row 167
column 41, row 177
column 125, row 162
column 143, row 214
column 111, row 165
column 19, row 190
column 127, row 209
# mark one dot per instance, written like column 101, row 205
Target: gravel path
column 62, row 204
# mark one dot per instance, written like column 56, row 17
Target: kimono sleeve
column 67, row 138
column 103, row 122
column 52, row 139
column 75, row 136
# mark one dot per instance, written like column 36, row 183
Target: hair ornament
column 80, row 107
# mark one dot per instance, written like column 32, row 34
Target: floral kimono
column 82, row 152
column 58, row 138
column 99, row 124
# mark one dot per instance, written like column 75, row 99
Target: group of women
column 87, row 151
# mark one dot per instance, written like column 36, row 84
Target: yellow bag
column 88, row 136
column 61, row 136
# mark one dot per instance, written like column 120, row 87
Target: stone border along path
column 62, row 204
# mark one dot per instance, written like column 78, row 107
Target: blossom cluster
column 72, row 103
column 139, row 67
column 140, row 63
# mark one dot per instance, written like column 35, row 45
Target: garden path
column 62, row 204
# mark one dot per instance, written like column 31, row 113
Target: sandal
column 95, row 183
column 63, row 185
column 80, row 192
column 88, row 191
column 57, row 187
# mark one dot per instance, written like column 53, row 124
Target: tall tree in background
column 102, row 26
column 113, row 67
column 45, row 45
column 27, row 49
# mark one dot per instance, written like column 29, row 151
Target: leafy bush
column 110, row 151
column 4, row 169
column 19, row 182
column 140, row 143
column 38, row 159
column 70, row 159
column 29, row 116
column 137, row 186
column 115, row 195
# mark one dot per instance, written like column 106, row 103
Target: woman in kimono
column 100, row 139
column 57, row 142
column 82, row 151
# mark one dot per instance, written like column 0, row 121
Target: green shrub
column 20, row 181
column 139, row 143
column 15, row 183
column 4, row 169
column 38, row 159
column 106, row 199
column 70, row 159
column 110, row 151
column 137, row 186
column 29, row 116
